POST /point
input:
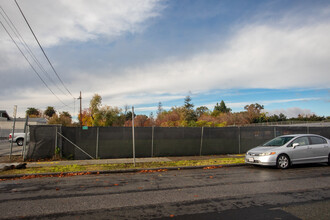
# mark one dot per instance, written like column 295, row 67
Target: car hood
column 262, row 149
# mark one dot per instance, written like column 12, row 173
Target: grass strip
column 121, row 166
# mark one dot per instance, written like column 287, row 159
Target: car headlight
column 267, row 154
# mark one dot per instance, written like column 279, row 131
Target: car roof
column 299, row 135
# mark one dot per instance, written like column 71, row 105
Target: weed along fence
column 117, row 142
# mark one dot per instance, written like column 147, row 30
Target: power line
column 42, row 49
column 21, row 39
column 31, row 64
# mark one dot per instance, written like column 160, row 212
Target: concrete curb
column 120, row 171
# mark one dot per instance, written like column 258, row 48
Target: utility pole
column 80, row 118
column 13, row 132
column 74, row 106
column 133, row 137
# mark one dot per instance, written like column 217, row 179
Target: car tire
column 283, row 161
column 19, row 141
column 329, row 160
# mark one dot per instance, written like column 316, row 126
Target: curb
column 120, row 171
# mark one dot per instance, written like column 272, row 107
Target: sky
column 142, row 52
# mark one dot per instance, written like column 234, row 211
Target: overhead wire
column 43, row 49
column 21, row 39
column 31, row 64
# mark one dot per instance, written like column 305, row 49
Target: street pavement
column 247, row 192
column 5, row 148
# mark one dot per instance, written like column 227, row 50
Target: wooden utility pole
column 80, row 117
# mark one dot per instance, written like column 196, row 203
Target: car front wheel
column 19, row 142
column 283, row 162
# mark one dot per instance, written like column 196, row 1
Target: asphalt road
column 302, row 192
column 5, row 148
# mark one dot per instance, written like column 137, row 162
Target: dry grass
column 104, row 167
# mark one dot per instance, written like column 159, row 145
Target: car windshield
column 279, row 141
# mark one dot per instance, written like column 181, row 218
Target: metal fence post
column 239, row 140
column 97, row 143
column 307, row 128
column 60, row 142
column 201, row 147
column 152, row 140
column 274, row 131
column 13, row 132
column 55, row 140
column 25, row 136
column 133, row 135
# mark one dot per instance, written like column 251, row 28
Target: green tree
column 187, row 103
column 222, row 108
column 95, row 105
column 128, row 116
column 50, row 111
column 113, row 116
column 63, row 119
column 190, row 115
column 201, row 111
column 254, row 112
column 66, row 114
column 282, row 117
column 33, row 112
column 160, row 108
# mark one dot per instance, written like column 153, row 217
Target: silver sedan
column 286, row 150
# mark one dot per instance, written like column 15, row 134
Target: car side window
column 302, row 141
column 317, row 140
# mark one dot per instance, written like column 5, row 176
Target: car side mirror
column 295, row 145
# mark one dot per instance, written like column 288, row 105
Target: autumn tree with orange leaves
column 182, row 116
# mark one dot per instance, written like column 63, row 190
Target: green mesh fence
column 116, row 142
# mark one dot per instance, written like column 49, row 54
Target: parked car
column 19, row 138
column 283, row 151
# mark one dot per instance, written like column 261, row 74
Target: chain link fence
column 116, row 142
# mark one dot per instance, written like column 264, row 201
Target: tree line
column 183, row 116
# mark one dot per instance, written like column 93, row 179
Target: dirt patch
column 14, row 159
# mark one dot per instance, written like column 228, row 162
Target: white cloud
column 290, row 112
column 55, row 21
column 265, row 103
column 256, row 56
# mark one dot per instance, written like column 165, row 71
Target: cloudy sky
column 141, row 52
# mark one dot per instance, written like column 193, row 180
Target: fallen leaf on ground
column 212, row 167
column 152, row 171
column 51, row 175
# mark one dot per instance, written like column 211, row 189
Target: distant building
column 4, row 115
column 6, row 123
